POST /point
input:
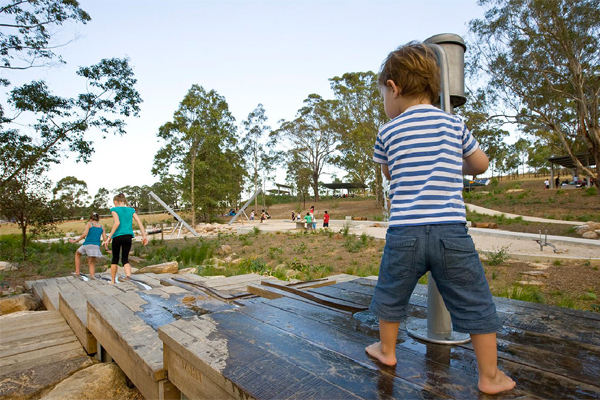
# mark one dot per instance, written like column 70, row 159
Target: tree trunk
column 24, row 241
column 193, row 199
column 316, row 186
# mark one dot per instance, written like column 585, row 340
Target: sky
column 270, row 52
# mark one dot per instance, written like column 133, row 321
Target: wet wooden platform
column 37, row 349
column 296, row 347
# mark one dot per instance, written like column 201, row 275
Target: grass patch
column 524, row 293
column 497, row 257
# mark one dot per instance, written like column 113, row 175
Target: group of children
column 424, row 153
column 121, row 236
column 311, row 220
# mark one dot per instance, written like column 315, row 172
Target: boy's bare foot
column 375, row 351
column 496, row 384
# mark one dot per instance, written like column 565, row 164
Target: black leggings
column 121, row 244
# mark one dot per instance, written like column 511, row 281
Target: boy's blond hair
column 414, row 69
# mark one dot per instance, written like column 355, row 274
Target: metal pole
column 438, row 326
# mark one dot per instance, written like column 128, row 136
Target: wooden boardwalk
column 37, row 349
column 307, row 347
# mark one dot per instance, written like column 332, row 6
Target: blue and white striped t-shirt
column 424, row 149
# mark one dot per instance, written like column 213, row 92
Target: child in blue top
column 91, row 246
column 122, row 234
column 424, row 153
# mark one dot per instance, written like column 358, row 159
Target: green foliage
column 591, row 191
column 524, row 293
column 201, row 142
column 423, row 280
column 497, row 257
column 345, row 229
column 190, row 254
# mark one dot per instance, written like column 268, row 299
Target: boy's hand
column 145, row 240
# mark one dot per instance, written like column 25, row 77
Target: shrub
column 498, row 257
column 523, row 293
column 591, row 191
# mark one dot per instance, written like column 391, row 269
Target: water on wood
column 161, row 310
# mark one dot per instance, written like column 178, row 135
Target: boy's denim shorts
column 449, row 253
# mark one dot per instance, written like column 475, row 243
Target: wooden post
column 162, row 237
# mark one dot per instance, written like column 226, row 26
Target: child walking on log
column 91, row 245
column 122, row 235
column 424, row 152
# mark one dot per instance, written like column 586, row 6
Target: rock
column 538, row 266
column 187, row 271
column 213, row 261
column 593, row 225
column 6, row 266
column 535, row 273
column 581, row 229
column 531, row 283
column 236, row 261
column 209, row 228
column 100, row 381
column 170, row 267
column 224, row 250
column 590, row 235
column 280, row 267
column 597, row 231
column 514, row 190
column 359, row 218
column 291, row 274
column 21, row 302
column 136, row 260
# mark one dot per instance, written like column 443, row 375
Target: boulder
column 581, row 229
column 136, row 260
column 223, row 250
column 593, row 225
column 187, row 271
column 590, row 235
column 21, row 302
column 209, row 228
column 280, row 267
column 212, row 261
column 101, row 381
column 6, row 266
column 291, row 274
column 170, row 267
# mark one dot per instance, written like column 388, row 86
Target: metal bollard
column 449, row 49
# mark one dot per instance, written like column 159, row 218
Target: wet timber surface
column 291, row 346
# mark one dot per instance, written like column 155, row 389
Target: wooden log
column 73, row 307
column 132, row 343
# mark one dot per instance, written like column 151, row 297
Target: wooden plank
column 19, row 342
column 189, row 379
column 528, row 377
column 13, row 338
column 42, row 342
column 334, row 303
column 341, row 371
column 73, row 307
column 50, row 297
column 16, row 323
column 129, row 341
column 237, row 364
column 25, row 361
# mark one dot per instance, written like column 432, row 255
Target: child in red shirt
column 326, row 220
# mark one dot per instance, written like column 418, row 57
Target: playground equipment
column 545, row 242
column 180, row 222
column 450, row 51
column 244, row 207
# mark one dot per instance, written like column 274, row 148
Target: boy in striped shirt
column 424, row 153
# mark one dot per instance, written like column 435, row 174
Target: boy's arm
column 144, row 237
column 475, row 164
column 386, row 171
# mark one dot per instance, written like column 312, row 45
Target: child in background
column 326, row 220
column 312, row 217
column 91, row 245
column 308, row 220
column 122, row 235
column 424, row 152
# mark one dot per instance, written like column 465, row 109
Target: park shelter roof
column 282, row 185
column 347, row 185
column 586, row 159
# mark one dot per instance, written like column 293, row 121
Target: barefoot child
column 91, row 246
column 424, row 152
column 122, row 234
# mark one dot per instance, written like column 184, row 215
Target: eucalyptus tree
column 71, row 196
column 28, row 39
column 312, row 135
column 200, row 142
column 254, row 145
column 361, row 114
column 542, row 59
